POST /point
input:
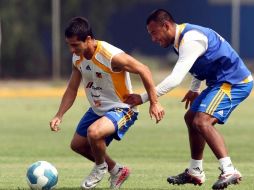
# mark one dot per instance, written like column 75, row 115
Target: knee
column 200, row 124
column 93, row 133
column 75, row 147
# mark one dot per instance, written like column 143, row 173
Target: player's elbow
column 144, row 70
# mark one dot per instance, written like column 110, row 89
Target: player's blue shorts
column 122, row 119
column 220, row 100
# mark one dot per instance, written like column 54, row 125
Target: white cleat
column 226, row 179
column 94, row 177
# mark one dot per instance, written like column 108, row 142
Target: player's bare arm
column 193, row 93
column 124, row 62
column 68, row 98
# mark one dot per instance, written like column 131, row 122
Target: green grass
column 152, row 151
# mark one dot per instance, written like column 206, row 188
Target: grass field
column 152, row 151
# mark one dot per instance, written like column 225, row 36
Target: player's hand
column 156, row 111
column 133, row 100
column 189, row 98
column 54, row 124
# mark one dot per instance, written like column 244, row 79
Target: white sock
column 102, row 166
column 196, row 166
column 226, row 164
column 115, row 169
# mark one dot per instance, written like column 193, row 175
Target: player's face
column 76, row 46
column 161, row 33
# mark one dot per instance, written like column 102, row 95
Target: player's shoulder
column 108, row 50
column 194, row 34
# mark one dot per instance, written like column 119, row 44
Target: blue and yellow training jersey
column 220, row 63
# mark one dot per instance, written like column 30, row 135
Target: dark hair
column 160, row 15
column 80, row 27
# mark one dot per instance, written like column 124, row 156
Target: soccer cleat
column 226, row 179
column 187, row 177
column 94, row 177
column 117, row 180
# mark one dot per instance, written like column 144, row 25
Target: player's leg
column 221, row 101
column 204, row 124
column 235, row 94
column 197, row 142
column 80, row 145
column 96, row 134
column 194, row 173
column 123, row 119
column 113, row 125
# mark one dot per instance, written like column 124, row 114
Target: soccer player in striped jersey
column 206, row 56
column 104, row 70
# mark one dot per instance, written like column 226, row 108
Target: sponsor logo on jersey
column 95, row 96
column 90, row 85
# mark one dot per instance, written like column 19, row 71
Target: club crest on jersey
column 98, row 75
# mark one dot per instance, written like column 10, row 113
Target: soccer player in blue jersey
column 206, row 56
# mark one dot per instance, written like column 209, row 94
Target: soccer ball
column 42, row 175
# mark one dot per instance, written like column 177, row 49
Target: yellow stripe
column 125, row 119
column 181, row 28
column 105, row 53
column 224, row 89
column 100, row 49
column 100, row 65
column 120, row 85
column 217, row 103
column 215, row 97
column 213, row 102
